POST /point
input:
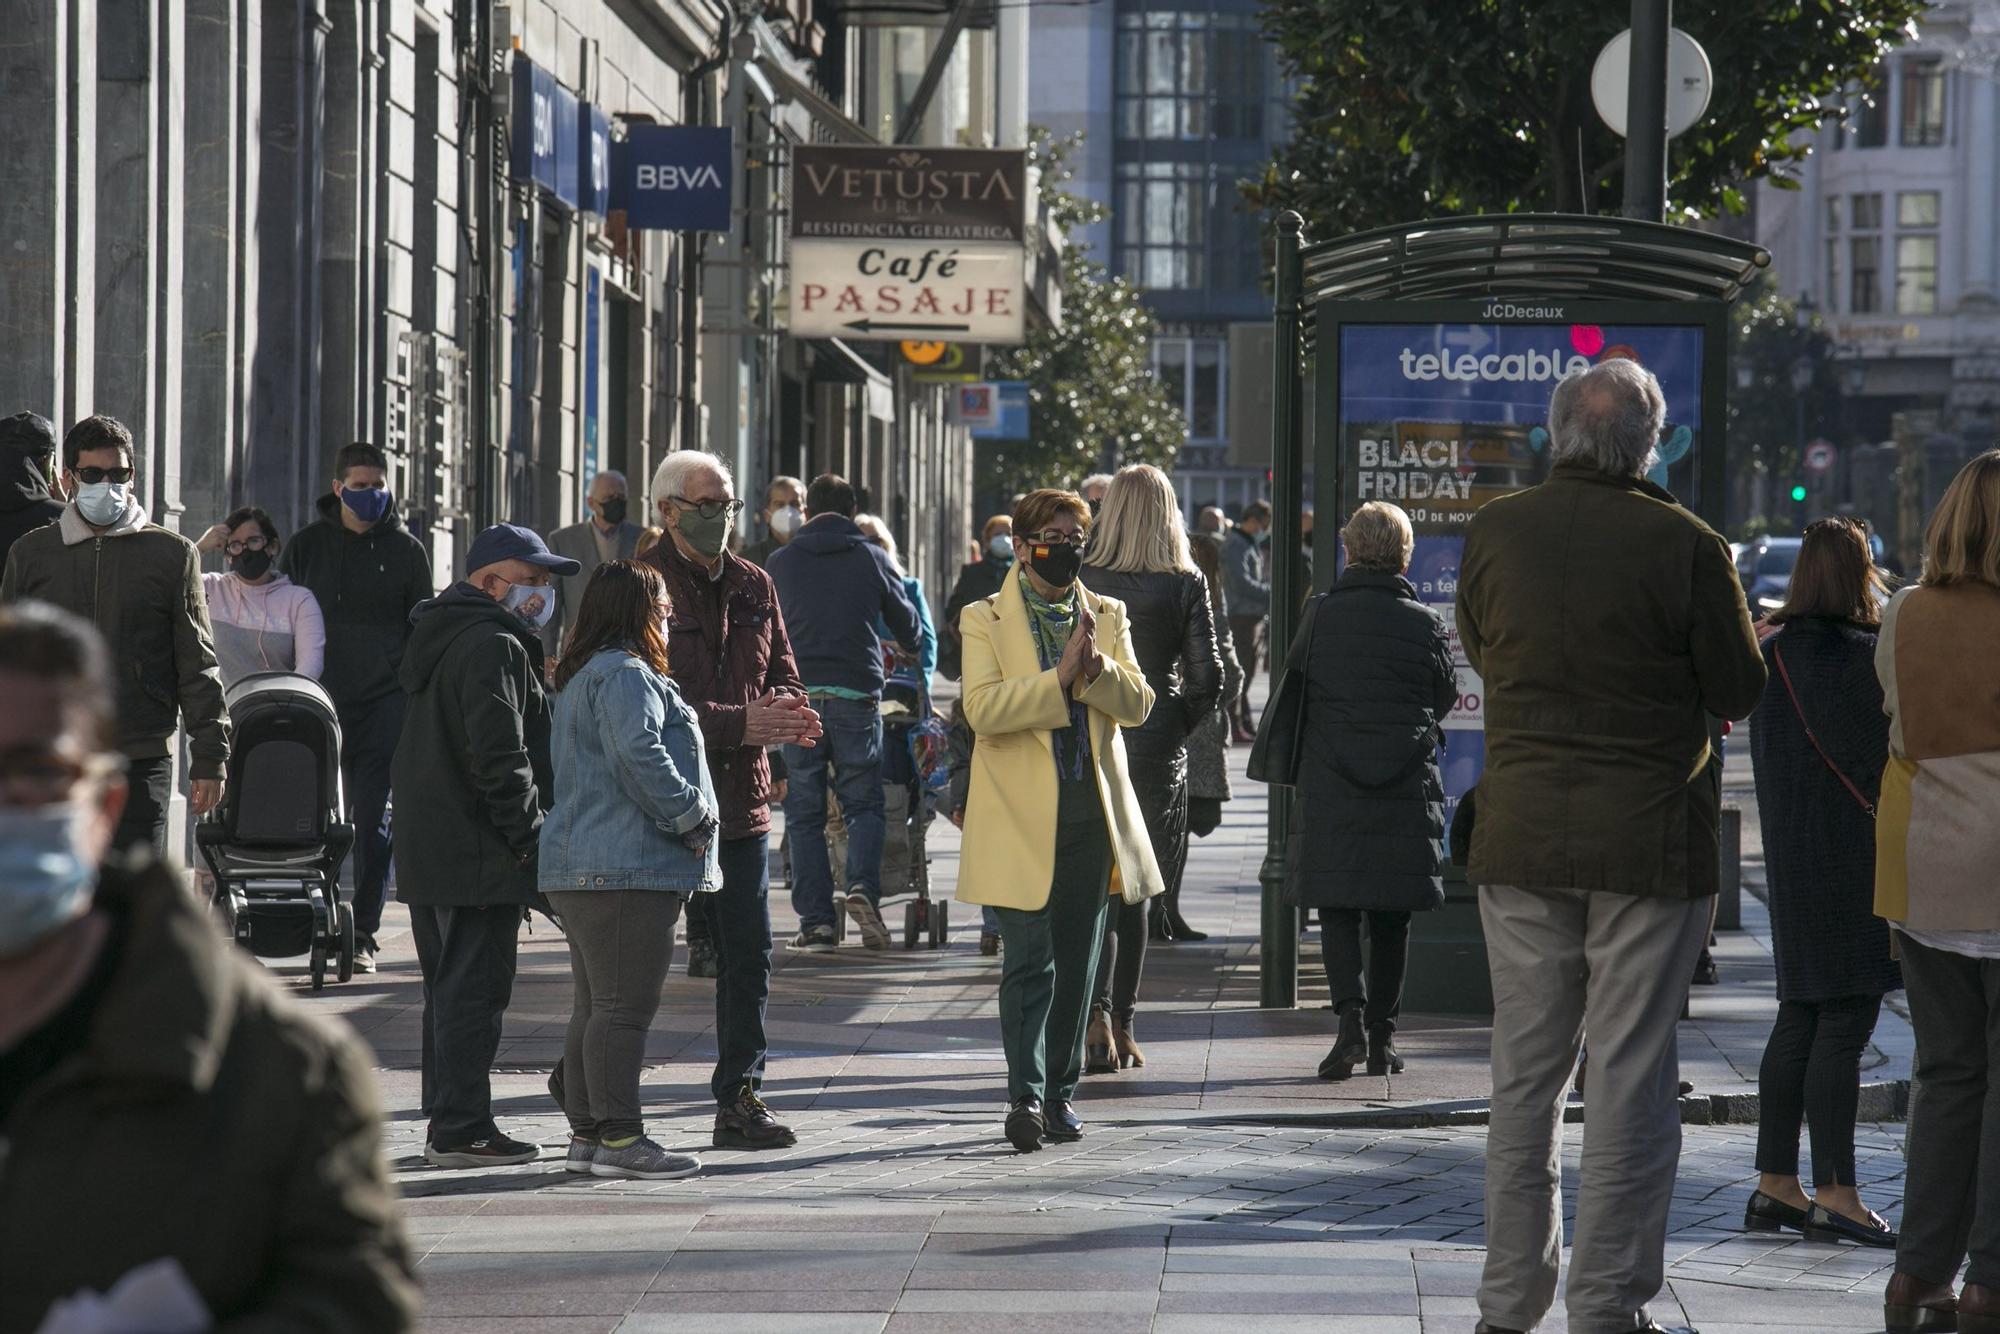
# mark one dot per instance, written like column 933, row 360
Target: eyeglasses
column 37, row 777
column 92, row 476
column 249, row 544
column 1053, row 538
column 710, row 509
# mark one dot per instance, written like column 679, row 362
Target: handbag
column 1274, row 755
column 1845, row 782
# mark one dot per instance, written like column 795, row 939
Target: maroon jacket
column 726, row 645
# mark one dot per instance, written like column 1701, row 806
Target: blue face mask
column 368, row 504
column 1001, row 547
column 519, row 595
column 46, row 874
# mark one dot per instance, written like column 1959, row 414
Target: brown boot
column 1912, row 1306
column 1129, row 1054
column 1978, row 1309
column 1099, row 1055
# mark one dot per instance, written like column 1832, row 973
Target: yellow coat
column 1008, row 857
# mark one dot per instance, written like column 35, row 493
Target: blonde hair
column 876, row 531
column 1379, row 537
column 1962, row 544
column 1139, row 527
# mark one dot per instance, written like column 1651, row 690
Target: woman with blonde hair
column 1139, row 555
column 1936, row 846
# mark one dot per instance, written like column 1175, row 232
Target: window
column 1867, row 112
column 1163, row 210
column 1923, row 103
column 1864, row 292
column 1917, row 208
column 1833, row 213
column 1916, row 275
column 1867, row 214
column 1832, row 288
column 1191, row 371
column 1192, row 75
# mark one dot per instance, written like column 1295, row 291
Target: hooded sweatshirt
column 472, row 772
column 366, row 585
column 833, row 585
column 25, row 502
column 274, row 626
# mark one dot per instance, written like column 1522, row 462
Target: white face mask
column 102, row 502
column 786, row 521
column 1002, row 546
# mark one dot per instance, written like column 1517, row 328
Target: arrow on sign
column 870, row 326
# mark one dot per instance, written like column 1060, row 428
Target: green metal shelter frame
column 1646, row 271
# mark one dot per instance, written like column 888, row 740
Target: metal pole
column 1278, row 946
column 1646, row 111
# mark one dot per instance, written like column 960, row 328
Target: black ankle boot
column 1350, row 1048
column 1382, row 1057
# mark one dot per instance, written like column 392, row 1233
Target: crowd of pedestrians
column 596, row 727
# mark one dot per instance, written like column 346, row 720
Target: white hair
column 1103, row 479
column 1140, row 528
column 876, row 531
column 1379, row 537
column 1609, row 417
column 670, row 478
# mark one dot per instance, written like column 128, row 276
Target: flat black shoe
column 1765, row 1214
column 1025, row 1126
column 1822, row 1224
column 1705, row 974
column 1349, row 1049
column 1061, row 1123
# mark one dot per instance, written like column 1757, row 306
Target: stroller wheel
column 344, row 960
column 318, row 963
column 940, row 924
column 910, row 925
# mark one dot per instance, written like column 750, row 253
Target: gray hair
column 670, row 478
column 1379, row 537
column 1609, row 417
column 1103, row 479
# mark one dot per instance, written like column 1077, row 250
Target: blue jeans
column 852, row 746
column 739, row 919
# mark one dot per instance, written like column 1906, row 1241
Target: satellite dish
column 1690, row 81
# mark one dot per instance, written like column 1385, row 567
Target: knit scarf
column 1052, row 623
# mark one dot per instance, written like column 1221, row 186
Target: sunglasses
column 92, row 476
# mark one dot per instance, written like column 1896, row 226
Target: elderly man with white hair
column 1611, row 630
column 732, row 660
column 607, row 535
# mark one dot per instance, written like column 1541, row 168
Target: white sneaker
column 642, row 1160
column 868, row 918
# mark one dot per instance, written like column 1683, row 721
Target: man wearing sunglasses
column 141, row 586
column 27, row 471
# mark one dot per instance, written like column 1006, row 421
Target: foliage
column 1411, row 109
column 1093, row 398
column 1769, row 341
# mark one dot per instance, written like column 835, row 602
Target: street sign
column 1820, row 457
column 908, row 291
column 914, row 245
column 950, row 363
column 593, row 159
column 673, row 178
column 923, row 354
column 1690, row 81
column 545, row 130
column 995, row 411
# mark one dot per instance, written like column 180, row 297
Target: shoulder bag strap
column 1786, row 677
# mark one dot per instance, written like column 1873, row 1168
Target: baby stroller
column 912, row 765
column 276, row 843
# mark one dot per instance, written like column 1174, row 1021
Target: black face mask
column 1057, row 564
column 613, row 510
column 251, row 564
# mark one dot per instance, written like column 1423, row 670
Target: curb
column 1889, row 1101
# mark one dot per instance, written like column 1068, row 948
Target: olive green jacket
column 1609, row 625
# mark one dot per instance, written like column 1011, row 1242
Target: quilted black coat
column 1379, row 680
column 1819, row 844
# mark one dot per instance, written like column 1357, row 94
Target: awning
column 834, row 362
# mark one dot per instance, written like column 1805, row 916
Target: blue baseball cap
column 510, row 541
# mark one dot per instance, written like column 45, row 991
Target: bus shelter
column 1431, row 350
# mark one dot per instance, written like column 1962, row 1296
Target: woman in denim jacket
column 632, row 834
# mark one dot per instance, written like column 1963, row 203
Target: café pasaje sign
column 903, row 243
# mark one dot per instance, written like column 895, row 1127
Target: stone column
column 35, row 202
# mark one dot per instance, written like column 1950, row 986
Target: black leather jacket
column 1173, row 636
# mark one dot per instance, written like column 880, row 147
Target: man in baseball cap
column 472, row 779
column 27, row 459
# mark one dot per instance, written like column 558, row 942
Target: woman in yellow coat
column 1052, row 827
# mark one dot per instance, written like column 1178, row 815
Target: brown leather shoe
column 1912, row 1306
column 1978, row 1309
column 1129, row 1052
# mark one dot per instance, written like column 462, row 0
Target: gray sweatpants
column 620, row 944
column 1564, row 960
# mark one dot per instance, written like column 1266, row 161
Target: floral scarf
column 1051, row 623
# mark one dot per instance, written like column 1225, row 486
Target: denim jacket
column 631, row 778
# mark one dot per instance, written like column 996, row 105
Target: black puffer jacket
column 472, row 773
column 1379, row 680
column 1173, row 636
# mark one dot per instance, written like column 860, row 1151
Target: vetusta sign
column 909, row 243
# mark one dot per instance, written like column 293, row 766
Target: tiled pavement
column 1196, row 1202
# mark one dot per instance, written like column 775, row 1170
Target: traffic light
column 1798, row 493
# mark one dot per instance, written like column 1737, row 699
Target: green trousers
column 1050, row 960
